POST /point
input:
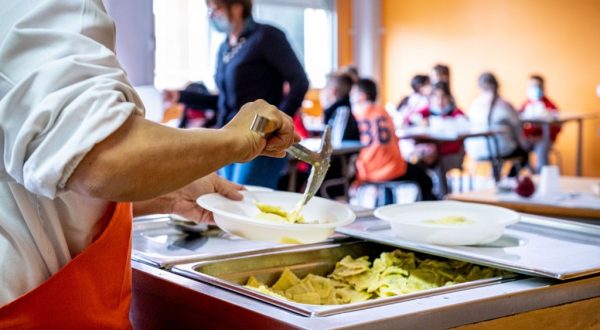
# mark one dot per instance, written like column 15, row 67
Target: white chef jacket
column 61, row 92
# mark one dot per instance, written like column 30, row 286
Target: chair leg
column 497, row 170
column 558, row 157
column 394, row 195
column 380, row 196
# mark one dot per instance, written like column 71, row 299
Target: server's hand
column 183, row 201
column 253, row 144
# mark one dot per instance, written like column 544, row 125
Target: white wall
column 134, row 20
column 367, row 30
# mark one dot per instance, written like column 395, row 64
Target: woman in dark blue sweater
column 254, row 62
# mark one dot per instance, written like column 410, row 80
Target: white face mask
column 354, row 98
column 535, row 93
column 441, row 111
column 220, row 24
column 327, row 96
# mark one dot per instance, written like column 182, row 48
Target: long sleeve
column 61, row 91
column 281, row 56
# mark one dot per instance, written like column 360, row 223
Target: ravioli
column 357, row 279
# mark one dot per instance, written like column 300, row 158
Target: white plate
column 257, row 188
column 408, row 222
column 239, row 217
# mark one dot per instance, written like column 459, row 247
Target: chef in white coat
column 76, row 151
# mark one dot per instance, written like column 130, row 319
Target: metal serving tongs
column 319, row 160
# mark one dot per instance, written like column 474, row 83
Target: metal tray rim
column 168, row 262
column 188, row 270
column 370, row 235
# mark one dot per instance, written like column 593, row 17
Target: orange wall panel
column 512, row 38
column 344, row 32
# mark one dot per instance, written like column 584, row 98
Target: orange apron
column 93, row 291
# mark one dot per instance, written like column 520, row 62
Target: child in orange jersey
column 381, row 160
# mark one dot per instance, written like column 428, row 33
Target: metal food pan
column 160, row 242
column 538, row 246
column 233, row 273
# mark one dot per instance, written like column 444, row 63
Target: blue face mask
column 220, row 24
column 441, row 111
column 535, row 93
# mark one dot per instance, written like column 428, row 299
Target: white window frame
column 203, row 68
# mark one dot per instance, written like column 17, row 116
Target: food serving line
column 168, row 293
column 459, row 263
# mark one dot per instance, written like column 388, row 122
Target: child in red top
column 538, row 106
column 381, row 160
column 440, row 111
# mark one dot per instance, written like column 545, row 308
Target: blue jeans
column 262, row 171
column 541, row 149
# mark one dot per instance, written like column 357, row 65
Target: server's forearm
column 143, row 160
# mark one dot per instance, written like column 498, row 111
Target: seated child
column 441, row 112
column 381, row 160
column 419, row 98
column 538, row 106
column 491, row 109
column 335, row 100
column 337, row 113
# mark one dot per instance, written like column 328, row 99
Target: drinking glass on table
column 549, row 180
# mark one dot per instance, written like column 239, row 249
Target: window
column 186, row 46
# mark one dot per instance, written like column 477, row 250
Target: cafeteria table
column 577, row 199
column 448, row 134
column 546, row 123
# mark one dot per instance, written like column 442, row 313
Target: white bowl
column 257, row 188
column 239, row 217
column 408, row 222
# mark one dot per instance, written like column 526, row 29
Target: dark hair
column 342, row 82
column 197, row 87
column 246, row 5
column 369, row 87
column 539, row 78
column 351, row 71
column 488, row 81
column 419, row 81
column 442, row 69
column 442, row 86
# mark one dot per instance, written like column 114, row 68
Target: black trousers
column 523, row 156
column 419, row 176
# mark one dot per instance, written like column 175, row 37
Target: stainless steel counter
column 161, row 299
column 164, row 299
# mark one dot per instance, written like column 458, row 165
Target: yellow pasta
column 276, row 213
column 357, row 279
